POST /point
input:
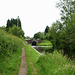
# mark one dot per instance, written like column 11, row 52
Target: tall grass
column 31, row 58
column 8, row 43
column 10, row 50
column 48, row 64
column 55, row 64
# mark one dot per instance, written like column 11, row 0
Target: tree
column 54, row 33
column 19, row 25
column 46, row 30
column 27, row 37
column 39, row 35
column 66, row 34
column 67, row 8
column 12, row 22
column 16, row 31
column 8, row 24
column 14, row 26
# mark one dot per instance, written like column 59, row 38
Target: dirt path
column 23, row 68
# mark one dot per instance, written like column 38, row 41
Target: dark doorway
column 34, row 43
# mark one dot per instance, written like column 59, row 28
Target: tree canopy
column 62, row 33
column 13, row 26
column 39, row 35
column 12, row 22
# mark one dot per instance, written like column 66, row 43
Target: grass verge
column 45, row 43
column 48, row 64
column 12, row 64
column 10, row 50
column 55, row 64
column 31, row 58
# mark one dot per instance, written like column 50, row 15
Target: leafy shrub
column 8, row 43
column 17, row 31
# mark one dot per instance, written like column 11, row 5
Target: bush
column 8, row 43
column 9, row 51
column 17, row 31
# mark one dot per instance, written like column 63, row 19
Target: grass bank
column 48, row 64
column 31, row 57
column 55, row 64
column 11, row 65
column 45, row 49
column 10, row 50
column 45, row 43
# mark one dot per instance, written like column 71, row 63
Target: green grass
column 48, row 64
column 8, row 43
column 31, row 58
column 10, row 50
column 45, row 43
column 11, row 64
column 55, row 64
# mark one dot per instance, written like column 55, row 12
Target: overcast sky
column 35, row 15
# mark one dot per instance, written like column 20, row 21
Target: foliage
column 3, row 27
column 46, row 30
column 63, row 38
column 10, row 50
column 11, row 65
column 39, row 35
column 14, row 27
column 61, row 34
column 47, row 36
column 16, row 31
column 51, row 64
column 12, row 22
column 54, row 33
column 67, row 8
column 27, row 37
column 55, row 64
column 8, row 43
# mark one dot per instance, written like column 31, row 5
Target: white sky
column 35, row 15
